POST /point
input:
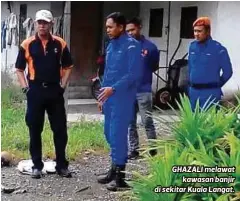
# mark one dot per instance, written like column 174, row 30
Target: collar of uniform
column 205, row 43
column 208, row 40
column 120, row 38
column 123, row 36
column 50, row 38
column 142, row 38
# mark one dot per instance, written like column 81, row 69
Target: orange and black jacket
column 45, row 64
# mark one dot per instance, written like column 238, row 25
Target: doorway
column 86, row 34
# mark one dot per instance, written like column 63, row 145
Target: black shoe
column 153, row 152
column 106, row 178
column 118, row 183
column 133, row 155
column 36, row 174
column 64, row 173
column 101, row 173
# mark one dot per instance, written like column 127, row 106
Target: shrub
column 206, row 137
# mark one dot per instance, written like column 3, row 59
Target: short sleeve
column 66, row 59
column 21, row 60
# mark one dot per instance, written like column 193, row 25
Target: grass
column 15, row 138
column 203, row 137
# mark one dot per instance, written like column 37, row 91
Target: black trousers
column 50, row 99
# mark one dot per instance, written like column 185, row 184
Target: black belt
column 205, row 85
column 43, row 84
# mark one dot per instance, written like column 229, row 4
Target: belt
column 43, row 84
column 211, row 85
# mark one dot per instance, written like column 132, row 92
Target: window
column 156, row 22
column 188, row 16
column 23, row 17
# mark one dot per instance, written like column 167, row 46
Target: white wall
column 128, row 8
column 204, row 9
column 32, row 7
column 161, row 43
column 225, row 28
column 8, row 56
column 227, row 32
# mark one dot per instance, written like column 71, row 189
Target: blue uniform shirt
column 206, row 60
column 150, row 55
column 123, row 65
column 122, row 72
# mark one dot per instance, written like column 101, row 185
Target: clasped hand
column 106, row 92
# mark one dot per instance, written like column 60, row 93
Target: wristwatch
column 25, row 90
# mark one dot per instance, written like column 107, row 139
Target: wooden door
column 86, row 33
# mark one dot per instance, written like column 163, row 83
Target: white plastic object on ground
column 25, row 167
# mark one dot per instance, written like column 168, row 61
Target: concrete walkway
column 86, row 110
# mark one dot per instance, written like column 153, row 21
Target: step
column 85, row 106
column 79, row 92
column 78, row 108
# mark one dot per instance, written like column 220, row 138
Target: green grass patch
column 201, row 138
column 15, row 137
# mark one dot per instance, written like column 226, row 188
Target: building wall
column 128, row 8
column 8, row 56
column 161, row 43
column 204, row 9
column 227, row 32
column 223, row 16
column 57, row 8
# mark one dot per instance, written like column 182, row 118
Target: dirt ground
column 81, row 187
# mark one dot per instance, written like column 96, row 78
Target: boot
column 106, row 178
column 118, row 183
column 36, row 174
column 64, row 173
column 153, row 152
column 133, row 155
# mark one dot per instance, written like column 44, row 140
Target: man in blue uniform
column 150, row 55
column 121, row 75
column 207, row 58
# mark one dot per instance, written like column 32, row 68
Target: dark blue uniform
column 122, row 72
column 150, row 55
column 150, row 60
column 206, row 61
column 45, row 69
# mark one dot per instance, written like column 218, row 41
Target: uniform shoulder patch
column 131, row 46
column 217, row 44
column 221, row 51
column 219, row 47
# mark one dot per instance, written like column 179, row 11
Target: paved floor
column 86, row 109
column 82, row 101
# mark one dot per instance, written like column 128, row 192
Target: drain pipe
column 168, row 36
column 9, row 6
